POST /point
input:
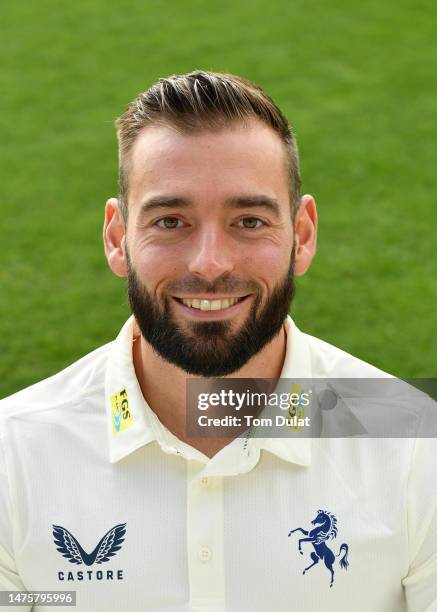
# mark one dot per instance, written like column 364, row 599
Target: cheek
column 156, row 264
column 267, row 261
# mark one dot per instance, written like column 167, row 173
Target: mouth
column 210, row 308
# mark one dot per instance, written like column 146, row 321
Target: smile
column 205, row 304
column 208, row 305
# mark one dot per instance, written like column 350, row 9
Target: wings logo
column 70, row 548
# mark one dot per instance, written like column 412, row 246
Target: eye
column 251, row 222
column 168, row 223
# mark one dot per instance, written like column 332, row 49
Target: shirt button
column 204, row 481
column 205, row 554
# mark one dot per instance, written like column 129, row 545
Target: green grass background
column 357, row 81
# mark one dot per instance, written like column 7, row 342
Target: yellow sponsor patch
column 296, row 411
column 121, row 415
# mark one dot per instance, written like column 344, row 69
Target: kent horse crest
column 326, row 529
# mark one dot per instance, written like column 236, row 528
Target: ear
column 305, row 228
column 114, row 237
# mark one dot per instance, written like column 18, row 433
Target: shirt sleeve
column 420, row 584
column 9, row 577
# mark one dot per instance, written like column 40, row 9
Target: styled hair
column 199, row 101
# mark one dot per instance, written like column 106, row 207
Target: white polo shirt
column 97, row 496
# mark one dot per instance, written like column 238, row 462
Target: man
column 103, row 490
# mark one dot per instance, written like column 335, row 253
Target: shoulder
column 332, row 362
column 387, row 405
column 82, row 379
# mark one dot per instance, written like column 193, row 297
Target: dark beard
column 211, row 349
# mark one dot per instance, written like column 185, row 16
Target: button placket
column 205, row 539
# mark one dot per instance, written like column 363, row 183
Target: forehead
column 242, row 158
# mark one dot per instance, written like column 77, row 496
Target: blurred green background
column 357, row 81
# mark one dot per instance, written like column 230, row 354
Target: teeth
column 209, row 304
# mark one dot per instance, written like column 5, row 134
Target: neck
column 164, row 385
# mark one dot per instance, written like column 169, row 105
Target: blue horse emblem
column 326, row 528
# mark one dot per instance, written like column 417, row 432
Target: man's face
column 209, row 244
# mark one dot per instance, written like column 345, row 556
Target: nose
column 211, row 256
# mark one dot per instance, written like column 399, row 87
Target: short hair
column 199, row 101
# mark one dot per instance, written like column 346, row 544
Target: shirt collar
column 297, row 364
column 131, row 423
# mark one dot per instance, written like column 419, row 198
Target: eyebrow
column 239, row 202
column 164, row 202
column 255, row 201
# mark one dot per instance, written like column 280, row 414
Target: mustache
column 189, row 283
column 228, row 284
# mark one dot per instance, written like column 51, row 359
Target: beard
column 209, row 348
